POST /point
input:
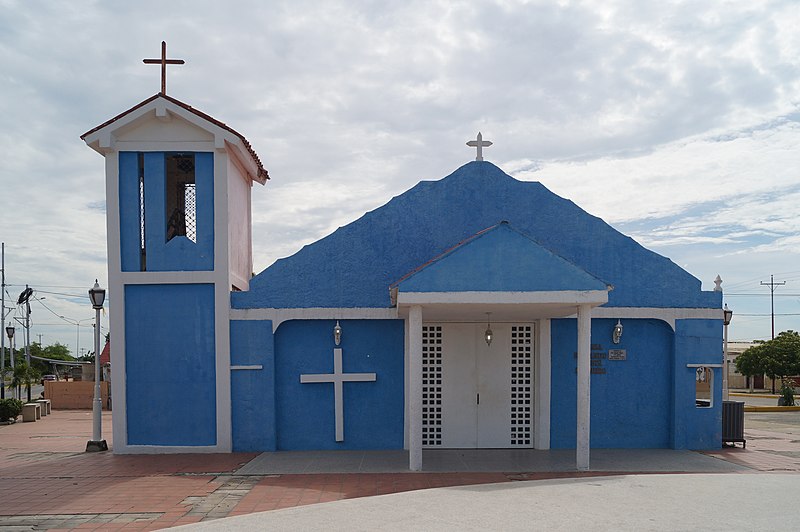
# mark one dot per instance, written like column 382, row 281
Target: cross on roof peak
column 480, row 144
column 163, row 61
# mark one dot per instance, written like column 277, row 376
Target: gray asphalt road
column 36, row 391
column 757, row 401
column 786, row 422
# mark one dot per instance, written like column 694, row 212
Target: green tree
column 750, row 362
column 25, row 375
column 777, row 358
column 5, row 373
column 18, row 377
column 55, row 351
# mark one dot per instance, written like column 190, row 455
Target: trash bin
column 733, row 422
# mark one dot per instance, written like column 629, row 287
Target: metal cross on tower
column 163, row 62
column 480, row 144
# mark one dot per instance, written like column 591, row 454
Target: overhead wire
column 70, row 321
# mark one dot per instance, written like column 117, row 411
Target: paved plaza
column 48, row 482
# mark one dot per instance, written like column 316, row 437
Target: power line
column 51, row 286
column 60, row 294
column 748, row 281
column 727, row 294
column 766, row 315
column 54, row 313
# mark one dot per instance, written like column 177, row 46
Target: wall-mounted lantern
column 337, row 333
column 616, row 336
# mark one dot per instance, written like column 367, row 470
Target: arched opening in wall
column 181, row 196
column 704, row 387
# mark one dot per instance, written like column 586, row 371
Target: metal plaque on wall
column 617, row 354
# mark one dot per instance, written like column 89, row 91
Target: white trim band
column 566, row 297
column 279, row 315
column 668, row 315
column 176, row 277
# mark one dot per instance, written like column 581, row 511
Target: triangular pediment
column 354, row 266
column 163, row 122
column 166, row 129
column 500, row 259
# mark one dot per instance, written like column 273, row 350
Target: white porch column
column 415, row 388
column 584, row 387
column 542, row 374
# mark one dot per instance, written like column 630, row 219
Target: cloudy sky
column 676, row 122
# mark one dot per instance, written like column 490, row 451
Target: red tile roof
column 105, row 355
column 262, row 172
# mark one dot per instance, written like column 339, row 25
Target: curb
column 760, row 395
column 771, row 408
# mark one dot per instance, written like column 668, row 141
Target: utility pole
column 28, row 326
column 772, row 285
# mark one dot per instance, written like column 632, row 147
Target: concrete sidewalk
column 486, row 461
column 645, row 502
column 48, row 482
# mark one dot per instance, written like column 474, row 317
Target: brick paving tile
column 49, row 482
column 766, row 451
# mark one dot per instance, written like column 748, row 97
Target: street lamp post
column 97, row 296
column 10, row 333
column 727, row 316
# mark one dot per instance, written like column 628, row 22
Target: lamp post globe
column 97, row 296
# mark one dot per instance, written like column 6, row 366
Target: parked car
column 49, row 378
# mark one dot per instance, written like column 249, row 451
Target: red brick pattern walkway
column 44, row 471
column 765, row 451
column 286, row 491
column 48, row 482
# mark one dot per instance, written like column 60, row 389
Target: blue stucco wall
column 373, row 411
column 631, row 404
column 170, row 364
column 253, row 391
column 129, row 211
column 180, row 253
column 696, row 342
column 432, row 217
column 500, row 259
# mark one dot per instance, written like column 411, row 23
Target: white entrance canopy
column 443, row 307
column 505, row 272
column 504, row 306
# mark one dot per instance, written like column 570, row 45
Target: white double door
column 486, row 390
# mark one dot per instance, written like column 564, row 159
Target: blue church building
column 472, row 311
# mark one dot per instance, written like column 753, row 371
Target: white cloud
column 677, row 122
